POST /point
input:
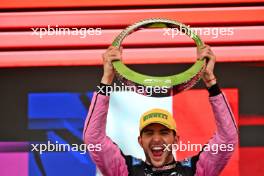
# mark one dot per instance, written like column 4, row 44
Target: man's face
column 153, row 140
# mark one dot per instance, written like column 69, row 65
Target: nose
column 156, row 137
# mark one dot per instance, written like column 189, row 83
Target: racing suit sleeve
column 209, row 162
column 109, row 159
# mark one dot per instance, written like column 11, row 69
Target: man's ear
column 176, row 139
column 140, row 141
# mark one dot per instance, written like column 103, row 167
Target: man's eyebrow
column 147, row 130
column 164, row 129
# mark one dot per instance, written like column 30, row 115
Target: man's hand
column 208, row 76
column 111, row 54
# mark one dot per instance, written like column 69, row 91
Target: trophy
column 174, row 83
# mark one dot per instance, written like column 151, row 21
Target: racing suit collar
column 168, row 166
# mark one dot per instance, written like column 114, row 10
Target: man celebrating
column 158, row 132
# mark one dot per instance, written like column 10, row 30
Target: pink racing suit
column 112, row 162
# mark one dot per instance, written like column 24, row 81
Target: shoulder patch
column 186, row 162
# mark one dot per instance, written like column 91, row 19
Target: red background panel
column 195, row 121
column 130, row 56
column 121, row 18
column 251, row 120
column 143, row 38
column 7, row 4
column 251, row 161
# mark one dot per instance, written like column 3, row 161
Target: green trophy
column 176, row 83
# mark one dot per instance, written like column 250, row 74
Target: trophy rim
column 178, row 82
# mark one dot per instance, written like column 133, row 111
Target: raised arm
column 226, row 137
column 109, row 159
column 209, row 162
